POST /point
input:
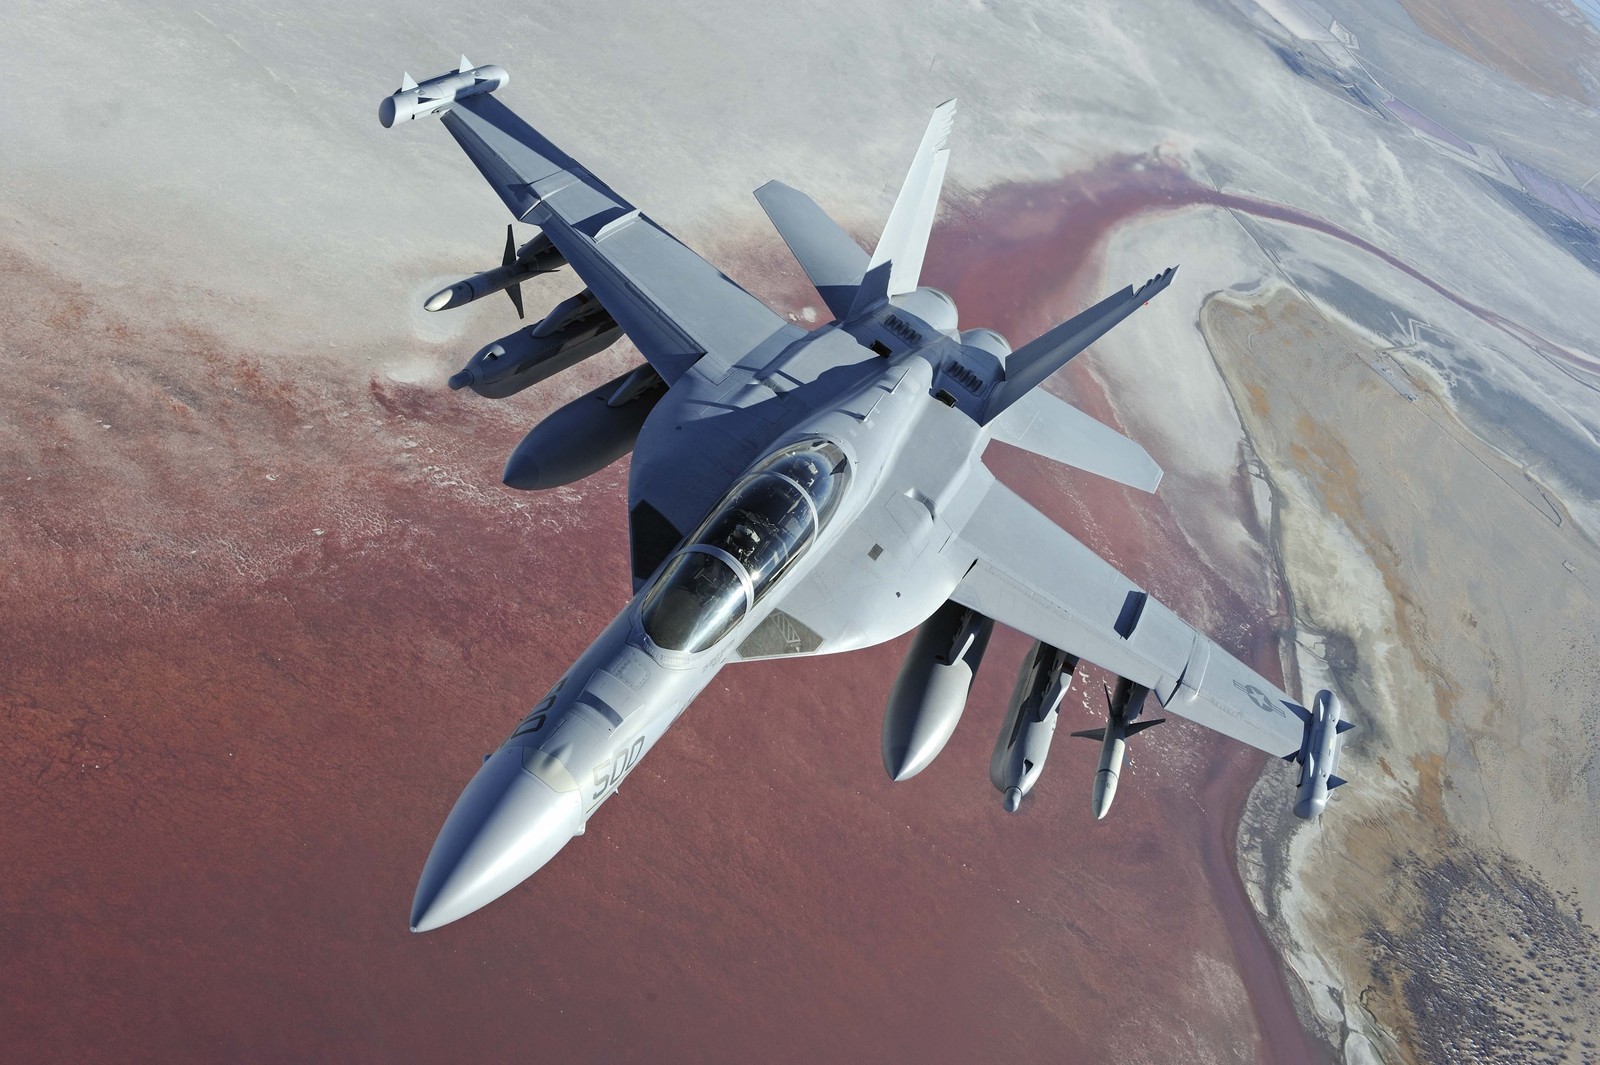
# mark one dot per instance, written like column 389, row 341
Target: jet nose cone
column 506, row 825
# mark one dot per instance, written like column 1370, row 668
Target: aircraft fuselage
column 572, row 750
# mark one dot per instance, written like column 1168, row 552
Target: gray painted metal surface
column 800, row 493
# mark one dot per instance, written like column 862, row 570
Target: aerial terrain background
column 264, row 602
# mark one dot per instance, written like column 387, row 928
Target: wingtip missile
column 434, row 96
column 1319, row 755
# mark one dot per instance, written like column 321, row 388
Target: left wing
column 678, row 309
column 1029, row 573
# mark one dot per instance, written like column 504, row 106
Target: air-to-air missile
column 586, row 435
column 931, row 690
column 437, row 94
column 538, row 256
column 1030, row 723
column 575, row 330
column 1122, row 706
column 1319, row 753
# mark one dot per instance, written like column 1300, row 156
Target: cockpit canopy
column 741, row 551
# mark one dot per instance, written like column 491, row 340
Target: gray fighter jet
column 800, row 492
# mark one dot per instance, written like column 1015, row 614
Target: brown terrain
column 261, row 615
column 1547, row 46
column 1453, row 599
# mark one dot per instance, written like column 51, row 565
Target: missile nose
column 1105, row 789
column 439, row 300
column 1013, row 800
column 506, row 824
column 460, row 380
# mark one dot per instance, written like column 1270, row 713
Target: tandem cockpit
column 741, row 552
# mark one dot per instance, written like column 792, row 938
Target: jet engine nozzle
column 1030, row 722
column 1319, row 754
column 576, row 329
column 931, row 691
column 986, row 340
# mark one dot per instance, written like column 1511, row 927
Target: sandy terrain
column 1449, row 891
column 1547, row 46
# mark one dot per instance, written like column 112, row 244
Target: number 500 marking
column 609, row 774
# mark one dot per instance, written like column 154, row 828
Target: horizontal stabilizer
column 1054, row 429
column 830, row 257
column 1030, row 364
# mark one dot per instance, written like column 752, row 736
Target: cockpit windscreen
column 745, row 546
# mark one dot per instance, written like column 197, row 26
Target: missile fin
column 510, row 255
column 514, row 290
column 466, row 65
column 1140, row 726
column 1344, row 726
column 407, row 82
column 1334, row 782
column 1097, row 734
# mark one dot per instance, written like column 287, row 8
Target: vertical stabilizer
column 897, row 262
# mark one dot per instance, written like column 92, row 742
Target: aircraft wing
column 678, row 309
column 1029, row 573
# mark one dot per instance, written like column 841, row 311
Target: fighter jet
column 802, row 492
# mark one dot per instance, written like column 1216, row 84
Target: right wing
column 1029, row 573
column 678, row 309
